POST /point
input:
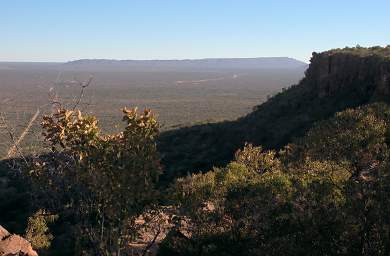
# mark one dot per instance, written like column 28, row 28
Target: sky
column 47, row 30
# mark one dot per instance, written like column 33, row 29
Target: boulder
column 11, row 245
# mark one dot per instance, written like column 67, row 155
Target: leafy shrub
column 37, row 232
column 100, row 182
column 328, row 194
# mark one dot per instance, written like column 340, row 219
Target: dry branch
column 15, row 147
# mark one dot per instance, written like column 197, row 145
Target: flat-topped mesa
column 363, row 71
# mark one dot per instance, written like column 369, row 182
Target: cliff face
column 333, row 72
column 335, row 80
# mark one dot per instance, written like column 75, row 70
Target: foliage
column 37, row 232
column 327, row 194
column 102, row 182
column 256, row 160
column 14, row 200
column 363, row 52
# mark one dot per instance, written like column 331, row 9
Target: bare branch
column 15, row 147
column 81, row 95
column 152, row 242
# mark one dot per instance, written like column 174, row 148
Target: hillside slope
column 335, row 80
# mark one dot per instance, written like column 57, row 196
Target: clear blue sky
column 52, row 30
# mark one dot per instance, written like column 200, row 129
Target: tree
column 326, row 194
column 101, row 182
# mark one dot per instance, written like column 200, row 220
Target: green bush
column 327, row 194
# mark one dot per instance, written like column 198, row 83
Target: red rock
column 14, row 245
column 3, row 233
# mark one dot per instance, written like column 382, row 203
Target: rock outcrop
column 365, row 70
column 335, row 80
column 11, row 245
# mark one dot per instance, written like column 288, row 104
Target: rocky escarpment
column 365, row 72
column 335, row 80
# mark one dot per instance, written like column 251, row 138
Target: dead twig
column 16, row 142
column 152, row 242
column 12, row 137
column 81, row 95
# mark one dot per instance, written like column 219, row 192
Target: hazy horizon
column 169, row 59
column 52, row 31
